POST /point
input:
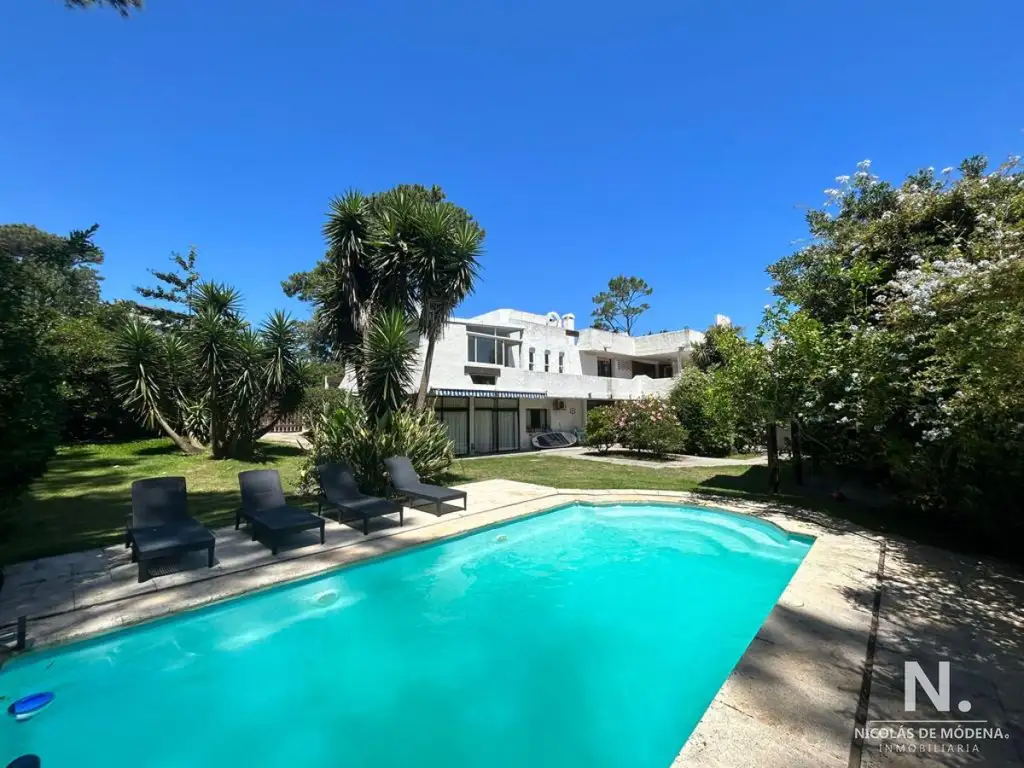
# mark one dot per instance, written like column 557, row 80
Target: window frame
column 546, row 420
column 611, row 367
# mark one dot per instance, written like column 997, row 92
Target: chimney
column 569, row 321
column 554, row 319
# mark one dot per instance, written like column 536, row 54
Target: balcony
column 567, row 385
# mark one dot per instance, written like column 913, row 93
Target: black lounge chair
column 340, row 491
column 264, row 508
column 406, row 482
column 160, row 526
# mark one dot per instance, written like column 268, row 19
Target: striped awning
column 504, row 394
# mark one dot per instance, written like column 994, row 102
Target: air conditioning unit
column 558, row 405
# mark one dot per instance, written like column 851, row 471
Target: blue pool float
column 26, row 761
column 30, row 706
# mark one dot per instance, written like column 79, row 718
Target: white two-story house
column 500, row 377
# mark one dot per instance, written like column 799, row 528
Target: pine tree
column 174, row 287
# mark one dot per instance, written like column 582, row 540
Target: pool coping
column 740, row 727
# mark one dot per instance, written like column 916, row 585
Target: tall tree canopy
column 46, row 279
column 409, row 249
column 896, row 336
column 175, row 287
column 618, row 308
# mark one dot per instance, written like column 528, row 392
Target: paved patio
column 828, row 658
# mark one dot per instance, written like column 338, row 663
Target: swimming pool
column 588, row 635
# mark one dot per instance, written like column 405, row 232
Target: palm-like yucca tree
column 704, row 355
column 215, row 382
column 389, row 354
column 446, row 248
column 345, row 283
column 143, row 362
column 406, row 249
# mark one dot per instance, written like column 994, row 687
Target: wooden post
column 796, row 451
column 773, row 459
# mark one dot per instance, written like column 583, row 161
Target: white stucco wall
column 579, row 380
column 577, row 383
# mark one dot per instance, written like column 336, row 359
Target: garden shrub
column 601, row 432
column 649, row 425
column 348, row 434
column 704, row 408
column 645, row 425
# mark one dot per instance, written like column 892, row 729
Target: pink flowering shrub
column 646, row 425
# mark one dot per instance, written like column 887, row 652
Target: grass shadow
column 867, row 512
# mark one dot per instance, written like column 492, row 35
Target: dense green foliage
column 214, row 381
column 83, row 348
column 28, row 406
column 721, row 399
column 601, row 430
column 703, row 406
column 645, row 425
column 48, row 281
column 618, row 308
column 896, row 339
column 408, row 249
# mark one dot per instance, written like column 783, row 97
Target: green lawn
column 739, row 481
column 82, row 500
column 562, row 472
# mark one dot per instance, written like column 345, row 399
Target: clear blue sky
column 678, row 141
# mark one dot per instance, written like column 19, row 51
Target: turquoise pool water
column 586, row 636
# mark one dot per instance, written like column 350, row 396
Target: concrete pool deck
column 828, row 659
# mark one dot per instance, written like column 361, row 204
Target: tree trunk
column 773, row 459
column 797, row 452
column 428, row 361
column 184, row 444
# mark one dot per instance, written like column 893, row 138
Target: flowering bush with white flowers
column 897, row 341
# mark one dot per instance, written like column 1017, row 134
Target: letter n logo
column 913, row 674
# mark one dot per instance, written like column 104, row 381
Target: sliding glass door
column 453, row 412
column 495, row 425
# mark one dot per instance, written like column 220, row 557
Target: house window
column 483, row 351
column 561, row 362
column 489, row 380
column 490, row 346
column 536, row 418
column 532, row 352
column 488, row 351
column 547, row 360
column 604, row 368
